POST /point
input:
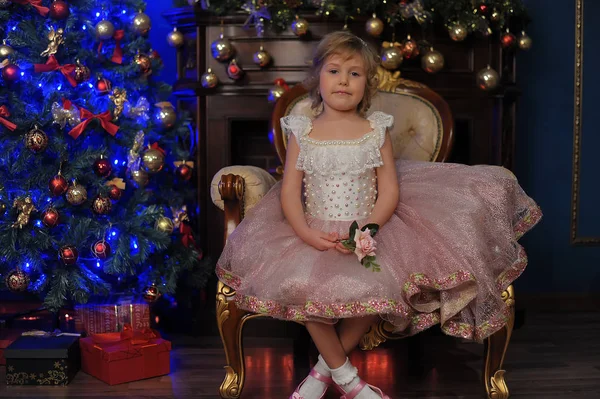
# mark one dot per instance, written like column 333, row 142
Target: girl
column 447, row 244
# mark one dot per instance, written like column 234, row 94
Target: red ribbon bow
column 104, row 118
column 117, row 56
column 4, row 113
column 138, row 337
column 36, row 4
column 52, row 65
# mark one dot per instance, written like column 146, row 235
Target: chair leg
column 495, row 350
column 229, row 320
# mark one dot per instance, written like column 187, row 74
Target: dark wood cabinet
column 232, row 120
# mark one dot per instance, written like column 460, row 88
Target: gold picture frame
column 577, row 103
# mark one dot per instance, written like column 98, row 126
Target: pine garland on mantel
column 482, row 16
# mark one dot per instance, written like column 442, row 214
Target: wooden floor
column 553, row 355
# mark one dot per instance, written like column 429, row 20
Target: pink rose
column 365, row 244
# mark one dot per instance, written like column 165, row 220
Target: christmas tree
column 95, row 163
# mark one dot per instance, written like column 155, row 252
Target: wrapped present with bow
column 130, row 355
column 111, row 315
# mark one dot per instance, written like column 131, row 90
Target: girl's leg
column 352, row 330
column 328, row 344
column 326, row 339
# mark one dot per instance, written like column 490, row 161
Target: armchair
column 423, row 130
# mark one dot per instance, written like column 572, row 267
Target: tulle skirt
column 446, row 255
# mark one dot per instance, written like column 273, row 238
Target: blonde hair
column 346, row 44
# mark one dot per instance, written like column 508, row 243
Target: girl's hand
column 340, row 247
column 319, row 239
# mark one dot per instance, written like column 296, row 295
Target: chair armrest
column 236, row 189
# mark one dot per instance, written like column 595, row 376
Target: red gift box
column 105, row 318
column 7, row 337
column 127, row 356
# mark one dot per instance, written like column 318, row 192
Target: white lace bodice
column 340, row 182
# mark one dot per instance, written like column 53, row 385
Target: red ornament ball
column 17, row 281
column 508, row 40
column 114, row 193
column 59, row 10
column 68, row 254
column 101, row 249
column 184, row 172
column 11, row 73
column 151, row 294
column 103, row 86
column 102, row 167
column 58, row 185
column 101, row 205
column 50, row 217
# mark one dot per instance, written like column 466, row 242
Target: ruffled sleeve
column 296, row 125
column 381, row 122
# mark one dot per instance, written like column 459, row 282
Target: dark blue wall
column 545, row 148
column 544, row 143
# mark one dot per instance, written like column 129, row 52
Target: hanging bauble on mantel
column 222, row 49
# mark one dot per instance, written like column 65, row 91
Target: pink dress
column 446, row 254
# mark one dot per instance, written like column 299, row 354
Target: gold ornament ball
column 76, row 194
column 275, row 93
column 141, row 24
column 153, row 160
column 5, row 51
column 139, row 177
column 374, row 26
column 391, row 58
column 458, row 32
column 262, row 58
column 104, row 30
column 432, row 61
column 488, row 78
column 209, row 80
column 525, row 41
column 101, row 205
column 175, row 38
column 164, row 224
column 221, row 49
column 166, row 117
column 300, row 27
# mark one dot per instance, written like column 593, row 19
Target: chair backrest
column 423, row 123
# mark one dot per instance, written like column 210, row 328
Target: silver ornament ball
column 105, row 30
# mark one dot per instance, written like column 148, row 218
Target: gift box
column 7, row 337
column 116, row 358
column 110, row 315
column 42, row 360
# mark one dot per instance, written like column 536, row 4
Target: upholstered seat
column 423, row 130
